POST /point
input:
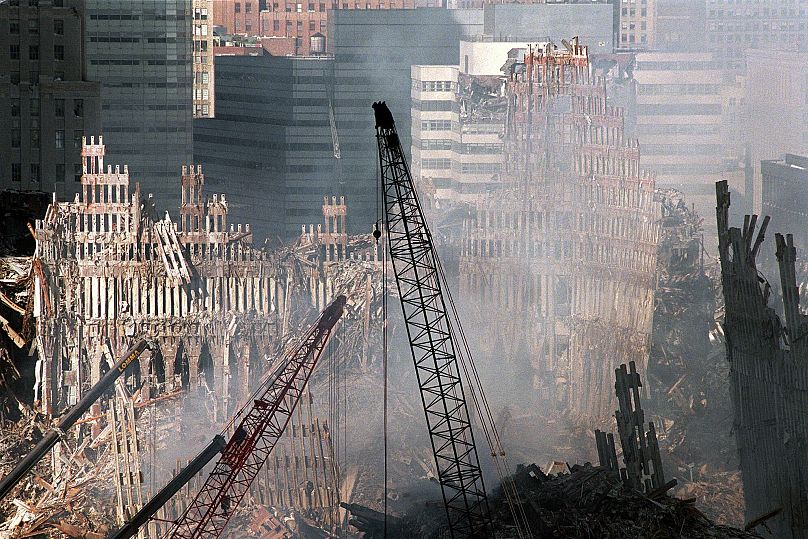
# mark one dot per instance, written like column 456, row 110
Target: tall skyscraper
column 269, row 150
column 46, row 101
column 141, row 51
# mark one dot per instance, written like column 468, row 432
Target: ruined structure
column 216, row 309
column 768, row 360
column 567, row 250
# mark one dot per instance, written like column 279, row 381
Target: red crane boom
column 256, row 435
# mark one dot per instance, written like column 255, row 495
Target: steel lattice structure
column 256, row 435
column 433, row 350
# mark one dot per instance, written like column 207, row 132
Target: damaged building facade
column 216, row 311
column 566, row 250
column 768, row 379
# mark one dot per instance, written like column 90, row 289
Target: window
column 299, row 26
column 33, row 52
column 59, row 108
column 58, row 3
column 33, row 26
column 14, row 52
column 311, row 6
column 247, row 7
column 60, row 139
column 77, row 134
column 247, row 27
column 34, row 109
column 238, row 7
column 322, row 7
column 13, row 27
column 33, row 3
column 33, row 77
column 59, row 27
column 35, row 172
column 78, row 108
column 58, row 75
column 276, row 26
column 16, row 172
column 58, row 52
column 205, row 77
column 15, row 106
column 15, row 77
column 78, row 170
column 35, row 133
column 60, row 172
column 205, row 110
column 311, row 26
column 15, row 138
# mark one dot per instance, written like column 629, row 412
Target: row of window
column 58, row 105
column 436, row 106
column 34, row 172
column 33, row 52
column 436, row 125
column 33, row 26
column 464, row 168
column 680, row 89
column 35, row 3
column 438, row 86
column 59, row 139
column 473, row 148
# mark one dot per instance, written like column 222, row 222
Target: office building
column 785, row 196
column 683, row 114
column 742, row 25
column 290, row 27
column 204, row 75
column 46, row 100
column 458, row 122
column 637, row 24
column 775, row 111
column 374, row 66
column 269, row 149
column 141, row 52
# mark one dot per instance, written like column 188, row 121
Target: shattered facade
column 768, row 378
column 109, row 269
column 567, row 250
column 216, row 310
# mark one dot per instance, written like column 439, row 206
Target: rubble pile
column 71, row 494
column 15, row 333
column 592, row 501
column 687, row 373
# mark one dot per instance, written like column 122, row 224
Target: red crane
column 256, row 435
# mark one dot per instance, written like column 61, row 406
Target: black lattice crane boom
column 428, row 327
column 256, row 435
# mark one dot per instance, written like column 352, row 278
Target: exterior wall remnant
column 567, row 249
column 768, row 360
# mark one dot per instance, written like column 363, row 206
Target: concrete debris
column 688, row 387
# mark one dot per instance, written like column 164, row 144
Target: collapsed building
column 566, row 250
column 216, row 310
column 768, row 375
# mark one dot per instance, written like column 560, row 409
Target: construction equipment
column 70, row 418
column 429, row 330
column 250, row 444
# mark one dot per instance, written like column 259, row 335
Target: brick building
column 287, row 27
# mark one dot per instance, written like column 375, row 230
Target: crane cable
column 377, row 234
column 483, row 409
